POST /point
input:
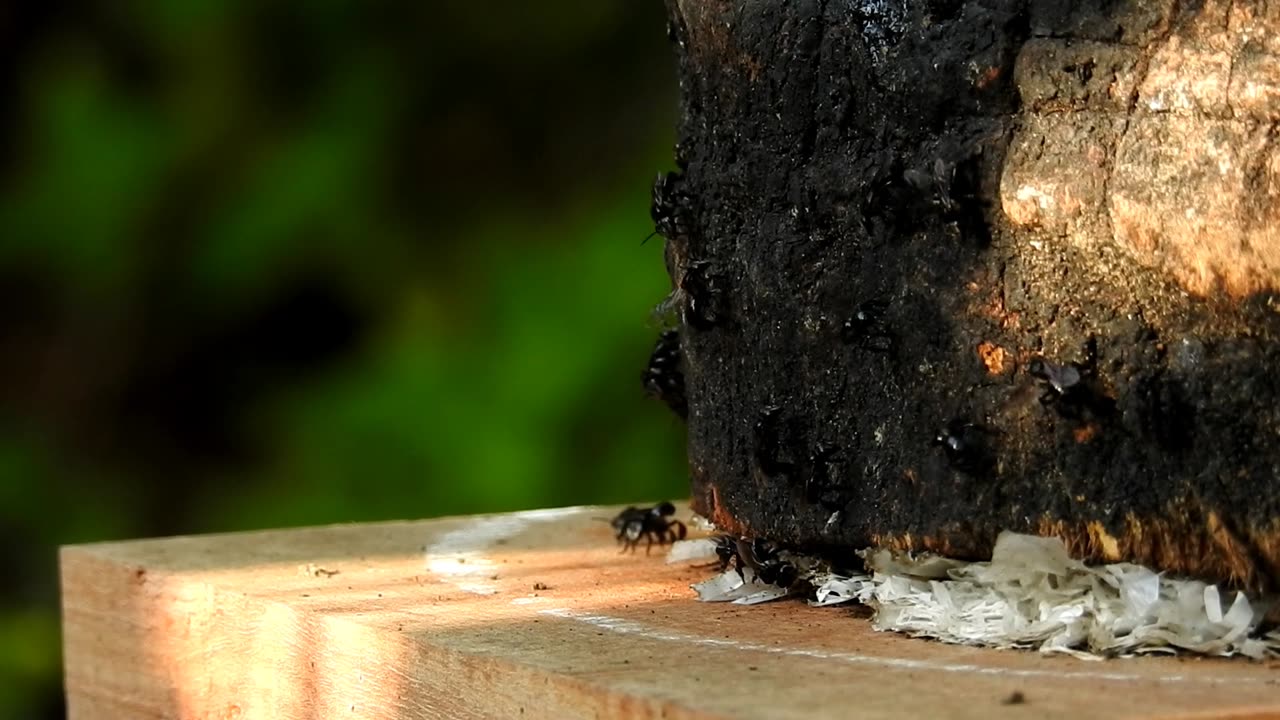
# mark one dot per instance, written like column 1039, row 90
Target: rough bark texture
column 946, row 268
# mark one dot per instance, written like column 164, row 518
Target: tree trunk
column 947, row 268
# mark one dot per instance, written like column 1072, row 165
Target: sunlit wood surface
column 537, row 615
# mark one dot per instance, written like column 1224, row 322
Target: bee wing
column 918, row 179
column 1064, row 377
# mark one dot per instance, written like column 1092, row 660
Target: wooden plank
column 536, row 615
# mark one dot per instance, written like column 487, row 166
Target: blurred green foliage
column 269, row 263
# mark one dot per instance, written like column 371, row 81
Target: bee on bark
column 1072, row 389
column 698, row 292
column 822, row 483
column 772, row 438
column 663, row 378
column 704, row 295
column 763, row 558
column 866, row 327
column 669, row 207
column 936, row 182
column 965, row 445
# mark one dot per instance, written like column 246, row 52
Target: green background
column 269, row 262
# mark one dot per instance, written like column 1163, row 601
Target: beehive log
column 886, row 213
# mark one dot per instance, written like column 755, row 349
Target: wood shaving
column 1031, row 594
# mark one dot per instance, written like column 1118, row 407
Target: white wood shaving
column 691, row 550
column 698, row 522
column 1031, row 594
column 728, row 586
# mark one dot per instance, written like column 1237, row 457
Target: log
column 947, row 268
column 534, row 615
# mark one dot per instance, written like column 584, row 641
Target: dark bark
column 948, row 268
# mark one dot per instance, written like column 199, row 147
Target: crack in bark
column 1231, row 64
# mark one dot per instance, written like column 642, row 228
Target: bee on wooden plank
column 651, row 524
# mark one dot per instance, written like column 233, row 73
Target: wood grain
column 442, row 619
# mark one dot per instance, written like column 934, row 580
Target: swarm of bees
column 650, row 524
column 754, row 560
column 699, row 295
column 765, row 559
